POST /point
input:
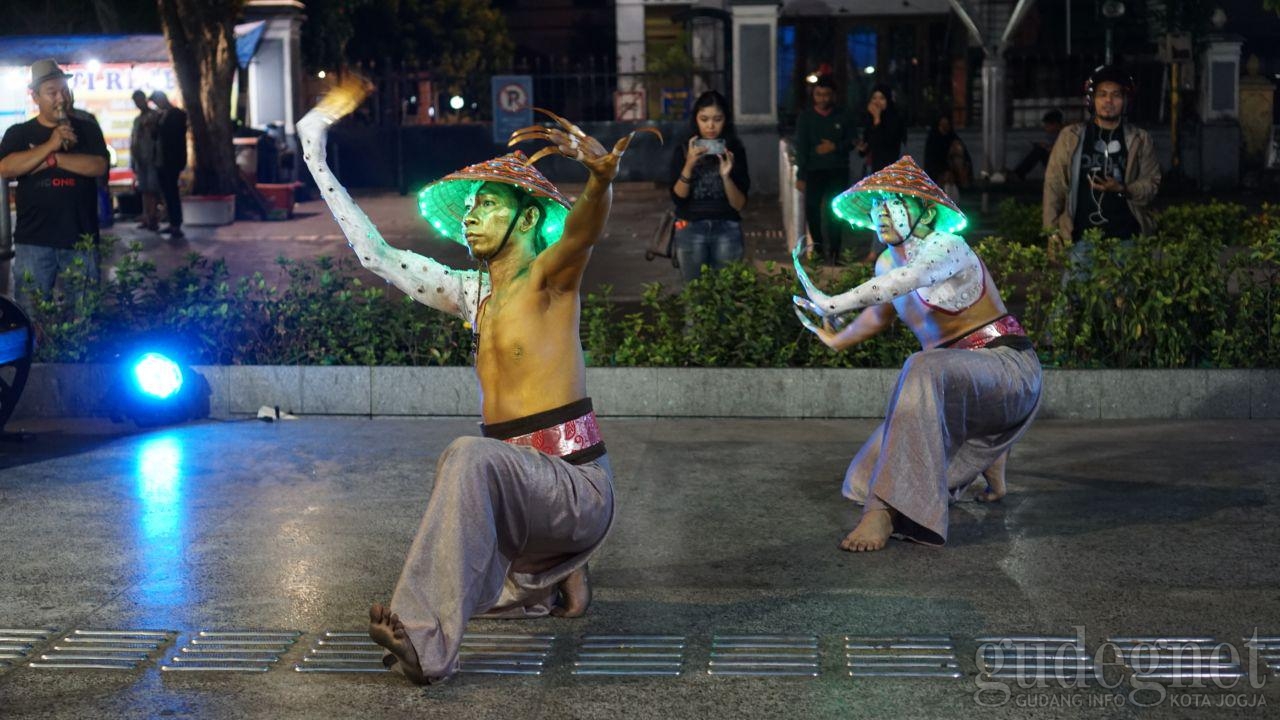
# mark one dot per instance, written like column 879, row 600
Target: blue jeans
column 44, row 265
column 714, row 243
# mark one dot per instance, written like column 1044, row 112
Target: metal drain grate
column 1035, row 659
column 911, row 656
column 343, row 651
column 103, row 650
column 16, row 643
column 231, row 651
column 764, row 656
column 1267, row 646
column 630, row 655
column 1177, row 658
column 504, row 654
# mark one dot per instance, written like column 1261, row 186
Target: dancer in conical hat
column 514, row 515
column 965, row 398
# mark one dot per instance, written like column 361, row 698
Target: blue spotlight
column 157, row 375
column 153, row 387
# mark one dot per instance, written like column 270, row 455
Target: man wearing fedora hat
column 965, row 398
column 515, row 515
column 56, row 157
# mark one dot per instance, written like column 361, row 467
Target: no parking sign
column 512, row 105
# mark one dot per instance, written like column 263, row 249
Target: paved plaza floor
column 724, row 527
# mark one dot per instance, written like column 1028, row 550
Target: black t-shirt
column 55, row 206
column 707, row 199
column 1103, row 154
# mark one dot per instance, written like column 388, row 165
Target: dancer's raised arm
column 563, row 264
column 456, row 292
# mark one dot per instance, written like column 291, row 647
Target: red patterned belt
column 564, row 439
column 983, row 336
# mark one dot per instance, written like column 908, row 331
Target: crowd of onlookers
column 1100, row 173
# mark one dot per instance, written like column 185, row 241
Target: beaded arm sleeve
column 935, row 260
column 431, row 283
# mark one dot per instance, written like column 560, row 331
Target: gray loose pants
column 505, row 524
column 953, row 413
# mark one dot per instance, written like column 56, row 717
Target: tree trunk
column 202, row 43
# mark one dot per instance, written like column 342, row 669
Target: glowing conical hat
column 444, row 202
column 904, row 177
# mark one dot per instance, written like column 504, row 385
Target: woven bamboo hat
column 903, row 177
column 444, row 202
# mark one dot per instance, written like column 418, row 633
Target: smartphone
column 714, row 146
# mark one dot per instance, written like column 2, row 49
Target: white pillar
column 707, row 51
column 275, row 73
column 629, row 20
column 755, row 61
column 993, row 114
column 1220, row 79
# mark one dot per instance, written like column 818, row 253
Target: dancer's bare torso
column 530, row 356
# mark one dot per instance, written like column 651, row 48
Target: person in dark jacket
column 824, row 139
column 172, row 132
column 884, row 132
column 709, row 185
column 946, row 158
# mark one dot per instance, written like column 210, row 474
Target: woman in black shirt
column 709, row 185
column 884, row 133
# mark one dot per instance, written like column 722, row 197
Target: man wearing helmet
column 965, row 398
column 1101, row 173
column 514, row 515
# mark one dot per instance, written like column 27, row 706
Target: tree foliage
column 453, row 38
column 108, row 17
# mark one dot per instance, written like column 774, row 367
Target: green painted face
column 489, row 213
column 446, row 203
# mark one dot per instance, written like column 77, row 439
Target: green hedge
column 1201, row 292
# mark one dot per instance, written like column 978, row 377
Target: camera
column 714, row 146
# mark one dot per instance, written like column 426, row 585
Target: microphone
column 60, row 114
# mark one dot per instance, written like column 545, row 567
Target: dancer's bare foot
column 386, row 629
column 575, row 595
column 872, row 532
column 994, row 476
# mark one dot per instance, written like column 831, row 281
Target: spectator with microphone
column 56, row 157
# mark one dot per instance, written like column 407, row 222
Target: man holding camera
column 1102, row 173
column 56, row 157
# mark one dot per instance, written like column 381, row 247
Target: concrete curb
column 67, row 390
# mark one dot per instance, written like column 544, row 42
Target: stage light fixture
column 153, row 388
column 157, row 375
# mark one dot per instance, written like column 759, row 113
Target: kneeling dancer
column 515, row 515
column 965, row 398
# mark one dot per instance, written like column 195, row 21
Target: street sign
column 629, row 105
column 512, row 105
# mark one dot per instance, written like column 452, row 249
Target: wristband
column 52, row 160
column 686, row 179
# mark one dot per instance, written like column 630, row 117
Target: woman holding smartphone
column 709, row 185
